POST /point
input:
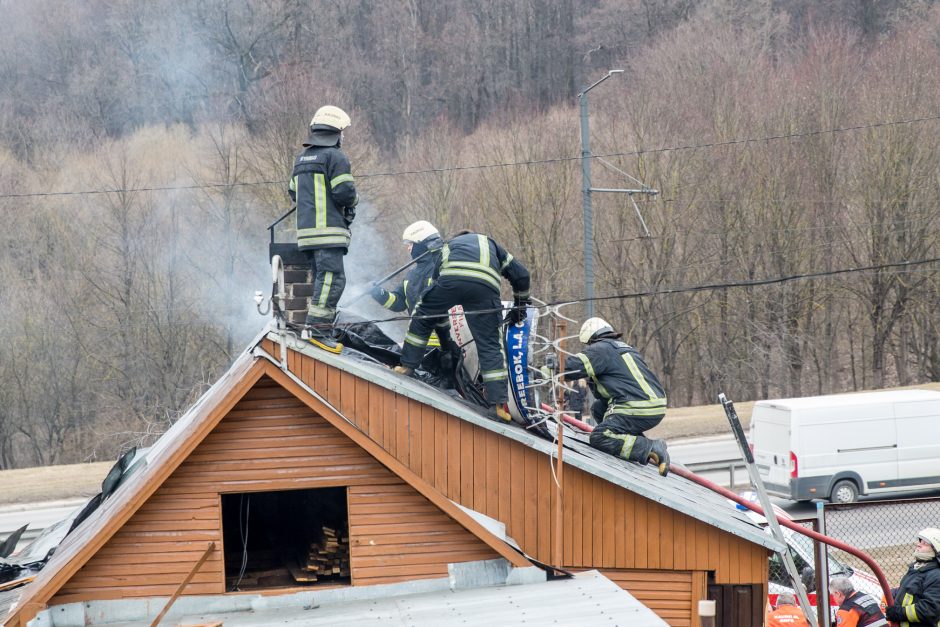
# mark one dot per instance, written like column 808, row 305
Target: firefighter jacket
column 919, row 594
column 618, row 375
column 475, row 257
column 860, row 610
column 324, row 192
column 406, row 296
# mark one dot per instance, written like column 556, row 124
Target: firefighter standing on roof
column 324, row 192
column 917, row 601
column 469, row 274
column 630, row 398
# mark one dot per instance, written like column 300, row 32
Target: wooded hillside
column 145, row 148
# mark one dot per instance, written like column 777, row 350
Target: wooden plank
column 389, row 408
column 506, row 479
column 441, row 446
column 478, row 502
column 667, row 537
column 321, row 374
column 611, row 524
column 412, row 558
column 654, row 536
column 415, row 440
column 454, row 448
column 545, row 491
column 621, row 529
column 392, row 537
column 402, row 426
column 587, row 514
column 334, row 395
column 466, row 463
column 597, row 551
column 640, row 537
column 347, row 404
column 376, row 428
column 532, row 519
column 428, row 446
column 575, row 479
column 492, row 485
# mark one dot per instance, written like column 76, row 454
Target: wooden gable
column 664, row 557
column 272, row 441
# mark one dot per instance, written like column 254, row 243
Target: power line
column 506, row 164
column 900, row 266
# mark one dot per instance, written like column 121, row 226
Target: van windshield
column 801, row 550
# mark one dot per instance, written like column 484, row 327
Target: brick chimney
column 298, row 280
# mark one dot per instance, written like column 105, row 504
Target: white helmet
column 932, row 536
column 593, row 327
column 419, row 231
column 330, row 116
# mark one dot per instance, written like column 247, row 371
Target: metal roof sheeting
column 588, row 598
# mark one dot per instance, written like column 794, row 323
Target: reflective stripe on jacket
column 478, row 258
column 919, row 594
column 866, row 607
column 619, row 375
column 323, row 189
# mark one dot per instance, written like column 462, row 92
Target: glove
column 349, row 214
column 517, row 314
column 896, row 614
column 379, row 294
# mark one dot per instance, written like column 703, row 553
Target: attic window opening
column 285, row 539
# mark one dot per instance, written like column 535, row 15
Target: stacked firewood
column 328, row 557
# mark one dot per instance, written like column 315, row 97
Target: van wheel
column 844, row 492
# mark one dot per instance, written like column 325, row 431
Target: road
column 38, row 515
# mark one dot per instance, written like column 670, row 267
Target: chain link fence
column 885, row 530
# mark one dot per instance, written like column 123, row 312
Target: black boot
column 659, row 456
column 320, row 334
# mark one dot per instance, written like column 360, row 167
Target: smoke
column 370, row 258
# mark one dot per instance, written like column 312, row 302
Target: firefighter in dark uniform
column 917, row 601
column 324, row 192
column 630, row 399
column 421, row 238
column 471, row 266
column 856, row 609
column 424, row 244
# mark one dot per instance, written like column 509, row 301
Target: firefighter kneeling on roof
column 630, row 399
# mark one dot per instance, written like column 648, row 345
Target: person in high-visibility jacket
column 424, row 244
column 856, row 609
column 469, row 274
column 630, row 398
column 324, row 192
column 917, row 600
column 787, row 613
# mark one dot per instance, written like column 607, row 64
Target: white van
column 844, row 445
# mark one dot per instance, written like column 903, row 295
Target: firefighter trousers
column 618, row 436
column 329, row 281
column 474, row 296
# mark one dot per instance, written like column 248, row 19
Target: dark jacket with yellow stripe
column 919, row 594
column 618, row 374
column 478, row 258
column 406, row 296
column 325, row 193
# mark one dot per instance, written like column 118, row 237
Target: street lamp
column 586, row 195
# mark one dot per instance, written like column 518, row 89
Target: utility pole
column 586, row 190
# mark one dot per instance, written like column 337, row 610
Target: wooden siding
column 398, row 535
column 604, row 526
column 271, row 441
column 672, row 594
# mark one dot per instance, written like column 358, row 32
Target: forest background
column 145, row 148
